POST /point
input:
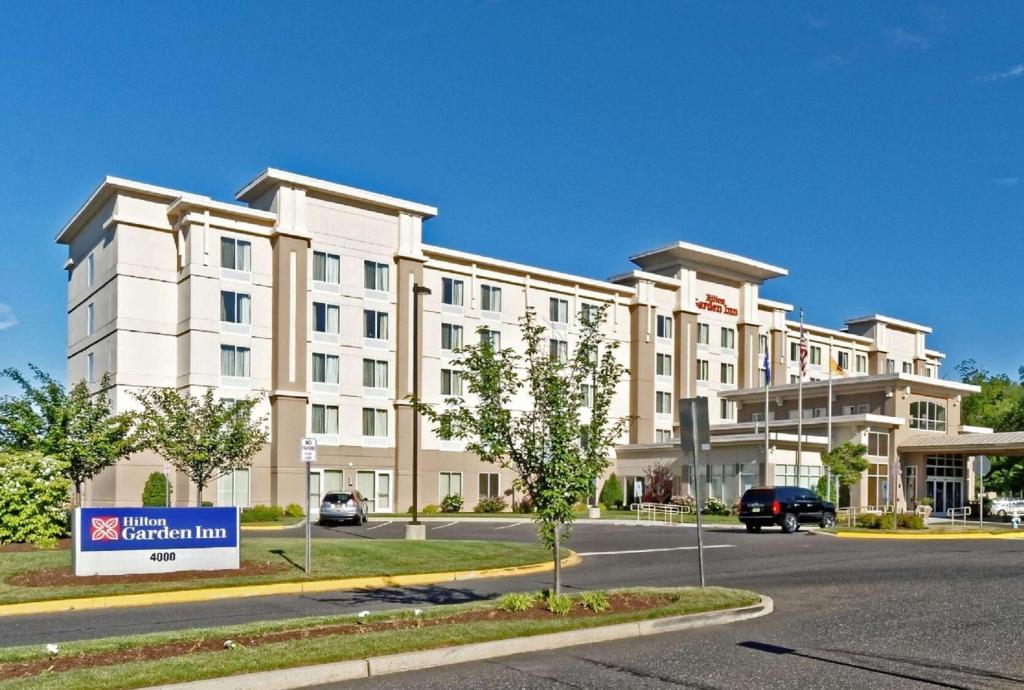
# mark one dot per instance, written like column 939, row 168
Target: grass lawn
column 937, row 529
column 332, row 558
column 124, row 670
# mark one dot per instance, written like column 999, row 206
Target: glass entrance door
column 375, row 487
column 383, row 491
column 315, row 492
column 945, row 494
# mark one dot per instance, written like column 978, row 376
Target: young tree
column 33, row 498
column 556, row 451
column 76, row 428
column 999, row 405
column 202, row 437
column 157, row 491
column 612, row 495
column 846, row 462
column 658, row 484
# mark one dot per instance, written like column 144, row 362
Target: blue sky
column 874, row 149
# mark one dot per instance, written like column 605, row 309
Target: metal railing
column 849, row 514
column 660, row 513
column 962, row 512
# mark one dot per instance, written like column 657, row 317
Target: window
column 786, row 475
column 727, row 408
column 703, row 334
column 326, row 317
column 375, row 324
column 235, row 254
column 861, row 364
column 451, row 291
column 90, row 368
column 728, row 338
column 664, row 365
column 908, row 368
column 762, row 344
column 662, row 435
column 325, row 419
column 794, row 378
column 489, row 485
column 326, row 267
column 815, row 354
column 843, row 360
column 450, row 484
column 451, row 336
column 90, row 270
column 235, row 307
column 375, row 276
column 878, row 443
column 794, row 351
column 663, row 402
column 375, row 373
column 234, row 361
column 375, row 422
column 558, row 350
column 590, row 313
column 492, row 337
column 233, row 489
column 451, row 382
column 728, row 373
column 929, row 371
column 927, row 415
column 558, row 310
column 890, row 366
column 490, row 298
column 333, row 481
column 703, row 370
column 587, row 392
column 664, row 326
column 325, row 368
column 90, row 319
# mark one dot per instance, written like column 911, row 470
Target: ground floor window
column 334, row 480
column 878, row 485
column 489, row 484
column 233, row 489
column 450, row 484
column 786, row 475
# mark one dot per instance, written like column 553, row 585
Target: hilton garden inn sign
column 122, row 541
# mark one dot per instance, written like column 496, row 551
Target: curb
column 273, row 528
column 285, row 679
column 213, row 593
column 927, row 537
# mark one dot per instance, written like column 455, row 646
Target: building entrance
column 945, row 482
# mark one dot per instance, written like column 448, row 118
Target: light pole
column 415, row 529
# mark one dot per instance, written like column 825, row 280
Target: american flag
column 803, row 357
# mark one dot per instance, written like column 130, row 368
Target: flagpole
column 800, row 401
column 828, row 472
column 767, row 389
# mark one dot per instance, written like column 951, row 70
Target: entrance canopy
column 1009, row 443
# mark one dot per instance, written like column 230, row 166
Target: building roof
column 272, row 176
column 920, row 384
column 1003, row 443
column 772, row 304
column 821, row 330
column 712, row 260
column 881, row 318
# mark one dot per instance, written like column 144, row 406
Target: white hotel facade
column 300, row 293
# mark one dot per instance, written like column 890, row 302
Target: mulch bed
column 65, row 577
column 63, row 544
column 619, row 603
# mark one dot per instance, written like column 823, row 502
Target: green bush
column 559, row 605
column 294, row 510
column 207, row 504
column 516, row 602
column 33, row 499
column 595, row 601
column 883, row 522
column 262, row 514
column 490, row 504
column 911, row 521
column 869, row 520
column 452, row 503
column 156, row 491
column 430, row 509
column 715, row 506
column 580, row 507
column 525, row 506
column 611, row 492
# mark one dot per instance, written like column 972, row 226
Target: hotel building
column 300, row 293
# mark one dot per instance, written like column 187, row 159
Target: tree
column 846, row 463
column 658, row 484
column 556, row 451
column 77, row 428
column 33, row 498
column 157, row 491
column 1000, row 406
column 611, row 493
column 201, row 437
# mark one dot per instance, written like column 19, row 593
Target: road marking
column 673, row 548
column 379, row 526
column 514, row 524
column 443, row 526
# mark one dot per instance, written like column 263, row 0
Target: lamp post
column 415, row 529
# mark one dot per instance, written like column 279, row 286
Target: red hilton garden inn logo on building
column 716, row 304
column 104, row 529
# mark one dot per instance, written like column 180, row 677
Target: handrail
column 850, row 513
column 962, row 512
column 662, row 513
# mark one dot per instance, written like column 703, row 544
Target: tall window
column 90, row 270
column 587, row 392
column 490, row 298
column 235, row 254
column 703, row 334
column 664, row 326
column 234, row 361
column 90, row 368
column 927, row 415
column 90, row 319
column 451, row 382
column 861, row 364
column 728, row 373
column 451, row 336
column 890, row 366
column 762, row 344
column 451, row 291
column 235, row 307
column 908, row 368
column 728, row 338
column 878, row 443
column 375, row 373
column 558, row 310
column 589, row 312
column 843, row 360
column 727, row 409
column 558, row 350
column 450, row 484
column 491, row 336
column 375, row 422
column 794, row 351
column 662, row 435
column 375, row 276
column 703, row 370
column 233, row 489
column 324, row 419
column 663, row 402
column 326, row 267
column 815, row 354
column 664, row 364
column 325, row 368
column 375, row 324
column 489, row 484
column 326, row 317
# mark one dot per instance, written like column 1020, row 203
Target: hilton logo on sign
column 104, row 529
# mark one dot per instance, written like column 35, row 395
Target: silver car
column 342, row 506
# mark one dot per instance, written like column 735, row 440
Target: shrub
column 883, row 522
column 156, row 491
column 558, row 605
column 611, row 492
column 658, row 482
column 33, row 499
column 294, row 510
column 516, row 602
column 715, row 506
column 207, row 504
column 685, row 502
column 490, row 504
column 262, row 514
column 525, row 506
column 869, row 520
column 430, row 509
column 595, row 601
column 580, row 507
column 452, row 503
column 911, row 521
column 926, row 501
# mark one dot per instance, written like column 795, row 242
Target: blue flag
column 767, row 370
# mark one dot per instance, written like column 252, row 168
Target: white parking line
column 514, row 524
column 379, row 526
column 674, row 548
column 443, row 526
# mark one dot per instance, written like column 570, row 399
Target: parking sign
column 307, row 449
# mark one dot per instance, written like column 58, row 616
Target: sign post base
column 416, row 532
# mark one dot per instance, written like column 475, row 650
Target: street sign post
column 982, row 466
column 695, row 439
column 307, row 453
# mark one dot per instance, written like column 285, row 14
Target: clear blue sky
column 874, row 149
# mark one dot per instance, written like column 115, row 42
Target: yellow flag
column 835, row 368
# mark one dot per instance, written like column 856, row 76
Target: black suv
column 785, row 506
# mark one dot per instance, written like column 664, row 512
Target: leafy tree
column 846, row 463
column 33, row 498
column 999, row 405
column 76, row 428
column 657, row 484
column 157, row 491
column 611, row 493
column 555, row 453
column 202, row 437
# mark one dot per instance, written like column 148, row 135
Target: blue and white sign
column 122, row 541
